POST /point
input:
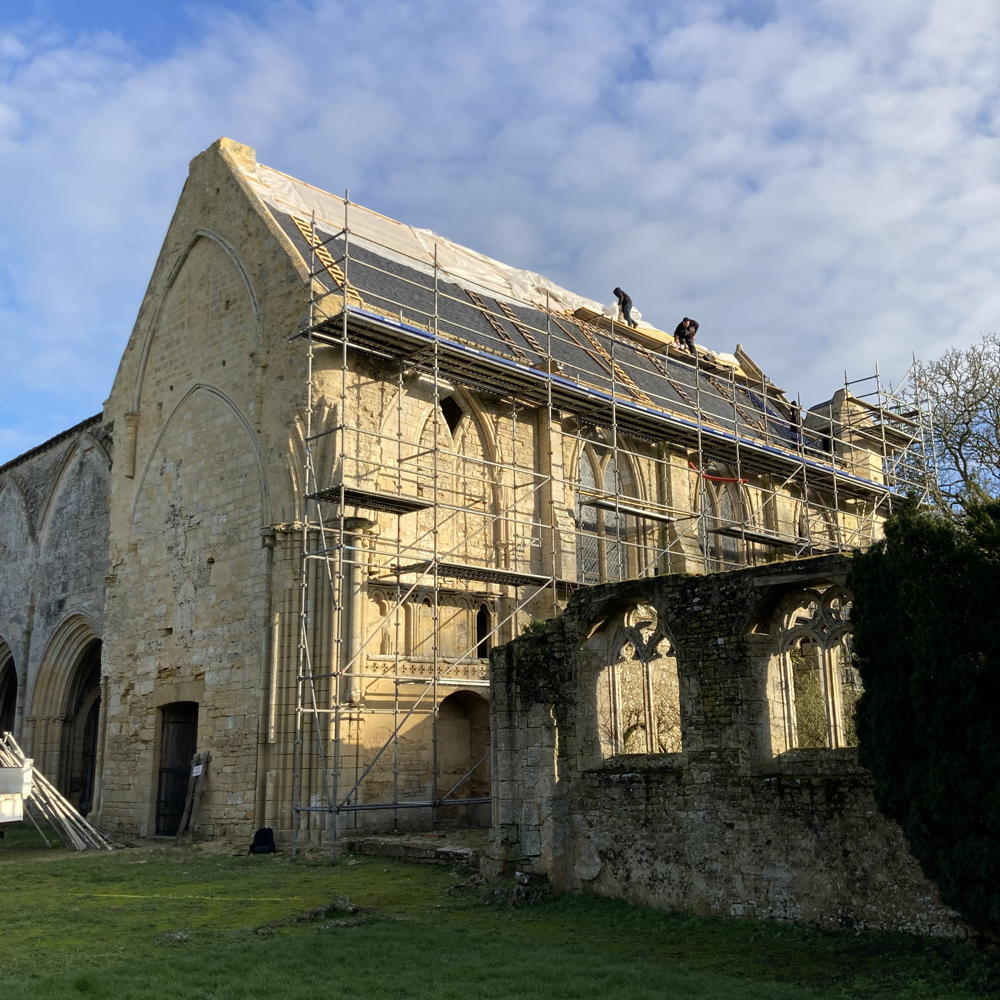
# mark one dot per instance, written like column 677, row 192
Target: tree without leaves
column 962, row 391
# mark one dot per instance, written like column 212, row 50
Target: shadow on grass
column 183, row 923
column 24, row 837
column 397, row 959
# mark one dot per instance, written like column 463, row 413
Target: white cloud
column 816, row 181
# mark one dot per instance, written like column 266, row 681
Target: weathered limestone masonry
column 296, row 552
column 725, row 826
column 200, row 492
column 53, row 555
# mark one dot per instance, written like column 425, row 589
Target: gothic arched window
column 722, row 513
column 606, row 538
column 638, row 692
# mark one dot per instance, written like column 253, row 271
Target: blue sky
column 816, row 181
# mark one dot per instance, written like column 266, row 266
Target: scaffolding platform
column 760, row 537
column 757, row 537
column 481, row 574
column 352, row 496
column 628, row 510
column 669, row 435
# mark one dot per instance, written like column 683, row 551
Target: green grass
column 186, row 924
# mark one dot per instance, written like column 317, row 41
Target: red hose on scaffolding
column 715, row 479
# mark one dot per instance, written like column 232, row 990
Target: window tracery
column 638, row 694
column 818, row 683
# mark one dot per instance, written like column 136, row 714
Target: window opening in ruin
column 818, row 682
column 638, row 693
column 808, row 703
column 849, row 683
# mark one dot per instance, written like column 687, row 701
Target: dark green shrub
column 926, row 638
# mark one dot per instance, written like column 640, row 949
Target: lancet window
column 606, row 538
column 722, row 510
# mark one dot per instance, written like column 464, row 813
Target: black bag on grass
column 263, row 841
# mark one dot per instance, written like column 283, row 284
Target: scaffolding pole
column 694, row 471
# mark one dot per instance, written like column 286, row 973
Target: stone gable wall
column 200, row 473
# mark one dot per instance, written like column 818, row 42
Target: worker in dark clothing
column 625, row 307
column 684, row 334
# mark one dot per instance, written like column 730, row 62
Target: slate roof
column 604, row 369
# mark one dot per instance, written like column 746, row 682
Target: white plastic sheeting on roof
column 410, row 245
column 418, row 247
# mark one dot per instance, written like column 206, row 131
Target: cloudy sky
column 815, row 179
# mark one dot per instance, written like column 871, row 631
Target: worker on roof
column 625, row 307
column 684, row 334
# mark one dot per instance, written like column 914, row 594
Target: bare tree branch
column 962, row 391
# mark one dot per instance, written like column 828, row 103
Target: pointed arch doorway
column 8, row 690
column 79, row 748
column 63, row 723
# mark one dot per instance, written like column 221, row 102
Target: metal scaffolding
column 611, row 457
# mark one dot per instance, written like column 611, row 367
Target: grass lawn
column 189, row 924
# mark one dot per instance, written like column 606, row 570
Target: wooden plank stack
column 199, row 772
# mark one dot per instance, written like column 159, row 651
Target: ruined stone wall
column 722, row 827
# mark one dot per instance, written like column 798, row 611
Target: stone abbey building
column 343, row 459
